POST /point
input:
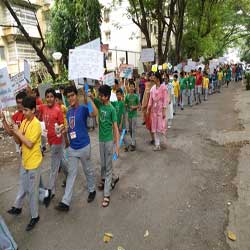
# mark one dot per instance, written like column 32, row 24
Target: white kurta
column 170, row 111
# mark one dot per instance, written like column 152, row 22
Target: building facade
column 14, row 48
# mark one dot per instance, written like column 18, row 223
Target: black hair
column 176, row 76
column 21, row 95
column 158, row 76
column 51, row 91
column 105, row 90
column 70, row 89
column 182, row 74
column 119, row 91
column 36, row 91
column 116, row 81
column 59, row 96
column 29, row 102
column 131, row 82
column 61, row 87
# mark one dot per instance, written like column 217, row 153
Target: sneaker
column 157, row 148
column 32, row 223
column 152, row 142
column 62, row 207
column 91, row 196
column 126, row 149
column 169, row 126
column 15, row 211
column 132, row 148
column 48, row 199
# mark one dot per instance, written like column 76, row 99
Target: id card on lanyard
column 72, row 121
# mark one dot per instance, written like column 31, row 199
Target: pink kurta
column 157, row 101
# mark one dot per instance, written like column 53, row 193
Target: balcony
column 11, row 33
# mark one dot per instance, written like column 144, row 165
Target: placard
column 93, row 45
column 109, row 79
column 147, row 55
column 19, row 82
column 154, row 68
column 85, row 63
column 26, row 70
column 126, row 70
column 42, row 89
column 7, row 96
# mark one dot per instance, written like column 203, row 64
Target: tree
column 144, row 13
column 39, row 50
column 74, row 22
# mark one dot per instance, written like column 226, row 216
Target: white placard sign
column 26, row 70
column 187, row 68
column 7, row 97
column 42, row 89
column 147, row 55
column 94, row 45
column 19, row 82
column 85, row 63
column 126, row 70
column 109, row 79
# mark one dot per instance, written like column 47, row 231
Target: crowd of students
column 63, row 122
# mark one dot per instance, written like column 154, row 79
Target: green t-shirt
column 183, row 83
column 120, row 110
column 131, row 100
column 191, row 82
column 107, row 117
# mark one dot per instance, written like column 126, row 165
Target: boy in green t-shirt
column 132, row 104
column 108, row 130
column 183, row 88
column 191, row 86
column 119, row 106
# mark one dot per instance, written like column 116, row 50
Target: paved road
column 179, row 195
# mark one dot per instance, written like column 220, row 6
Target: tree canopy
column 74, row 22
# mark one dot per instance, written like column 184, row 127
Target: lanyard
column 72, row 119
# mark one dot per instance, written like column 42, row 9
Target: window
column 108, row 35
column 12, row 52
column 109, row 57
column 2, row 54
column 25, row 51
column 106, row 15
column 25, row 15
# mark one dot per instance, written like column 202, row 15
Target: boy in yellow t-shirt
column 176, row 86
column 220, row 79
column 205, row 86
column 29, row 137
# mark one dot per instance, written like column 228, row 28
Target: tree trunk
column 30, row 40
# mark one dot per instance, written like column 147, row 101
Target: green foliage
column 73, row 22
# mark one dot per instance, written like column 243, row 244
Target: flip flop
column 114, row 182
column 106, row 201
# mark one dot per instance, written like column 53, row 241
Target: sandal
column 106, row 201
column 114, row 181
column 101, row 185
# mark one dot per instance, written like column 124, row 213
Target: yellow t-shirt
column 176, row 88
column 31, row 158
column 220, row 75
column 205, row 82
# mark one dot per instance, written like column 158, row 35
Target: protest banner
column 85, row 63
column 7, row 97
column 19, row 82
column 42, row 88
column 160, row 67
column 109, row 79
column 126, row 70
column 26, row 71
column 164, row 66
column 187, row 68
column 93, row 45
column 147, row 55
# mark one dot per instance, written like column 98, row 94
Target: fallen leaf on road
column 107, row 237
column 146, row 234
column 231, row 235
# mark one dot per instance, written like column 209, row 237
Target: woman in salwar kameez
column 157, row 106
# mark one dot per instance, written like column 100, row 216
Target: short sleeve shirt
column 77, row 126
column 107, row 117
column 131, row 100
column 31, row 158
